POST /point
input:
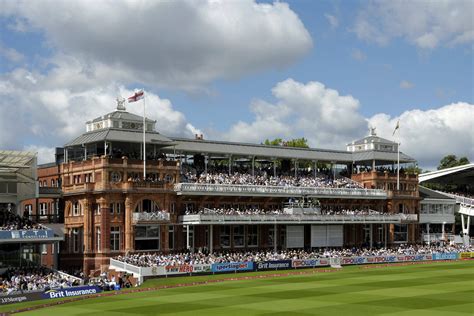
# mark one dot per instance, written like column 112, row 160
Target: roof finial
column 372, row 131
column 121, row 103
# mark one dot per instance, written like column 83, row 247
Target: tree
column 296, row 142
column 450, row 161
column 463, row 161
column 413, row 170
column 275, row 142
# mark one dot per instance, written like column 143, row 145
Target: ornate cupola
column 372, row 142
column 120, row 119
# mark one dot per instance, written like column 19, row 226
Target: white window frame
column 115, row 238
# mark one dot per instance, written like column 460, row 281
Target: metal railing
column 435, row 237
column 459, row 199
column 277, row 190
column 298, row 218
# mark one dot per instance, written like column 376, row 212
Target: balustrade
column 290, row 191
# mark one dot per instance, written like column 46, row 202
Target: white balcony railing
column 232, row 189
column 151, row 217
column 287, row 218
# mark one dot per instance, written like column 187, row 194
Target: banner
column 232, row 266
column 445, row 256
column 18, row 298
column 202, row 268
column 27, row 234
column 187, row 268
column 466, row 255
column 385, row 259
column 178, row 269
column 72, row 291
column 273, row 265
column 307, row 263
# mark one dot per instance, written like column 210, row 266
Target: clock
column 115, row 176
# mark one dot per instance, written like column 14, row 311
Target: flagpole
column 144, row 139
column 398, row 162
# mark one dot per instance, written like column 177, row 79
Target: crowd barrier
column 49, row 294
column 466, row 255
column 188, row 269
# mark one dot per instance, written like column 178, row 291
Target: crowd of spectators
column 110, row 283
column 159, row 259
column 21, row 280
column 235, row 211
column 11, row 221
column 265, row 180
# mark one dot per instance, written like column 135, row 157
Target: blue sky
column 243, row 71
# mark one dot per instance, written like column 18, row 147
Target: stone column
column 128, row 225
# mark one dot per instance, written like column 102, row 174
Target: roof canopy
column 456, row 175
column 12, row 161
column 119, row 135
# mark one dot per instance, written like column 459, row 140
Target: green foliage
column 413, row 170
column 274, row 142
column 450, row 161
column 296, row 142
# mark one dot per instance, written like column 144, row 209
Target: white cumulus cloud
column 320, row 114
column 48, row 110
column 424, row 23
column 179, row 44
column 331, row 120
column 432, row 134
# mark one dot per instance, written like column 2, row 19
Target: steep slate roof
column 369, row 155
column 121, row 135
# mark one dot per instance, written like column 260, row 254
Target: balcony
column 78, row 188
column 150, row 217
column 203, row 219
column 276, row 191
column 437, row 218
column 50, row 192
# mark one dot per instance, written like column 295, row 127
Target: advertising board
column 307, row 263
column 273, row 265
column 72, row 291
column 232, row 266
column 18, row 298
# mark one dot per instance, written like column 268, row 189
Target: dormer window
column 132, row 125
column 99, row 125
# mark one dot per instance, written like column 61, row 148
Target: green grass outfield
column 444, row 288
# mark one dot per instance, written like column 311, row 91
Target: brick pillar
column 128, row 225
column 104, row 226
column 88, row 226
